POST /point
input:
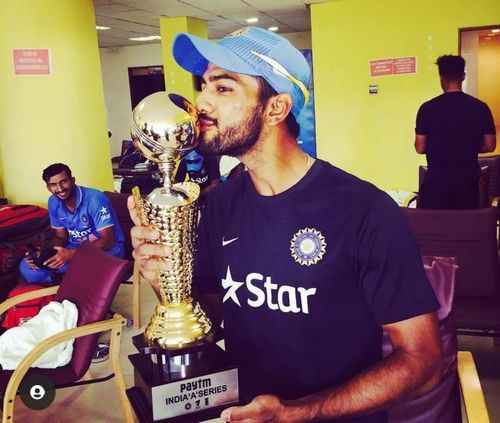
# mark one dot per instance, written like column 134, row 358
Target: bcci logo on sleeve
column 308, row 246
column 104, row 213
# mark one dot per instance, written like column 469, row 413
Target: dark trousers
column 450, row 189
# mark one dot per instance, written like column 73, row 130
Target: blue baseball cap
column 251, row 51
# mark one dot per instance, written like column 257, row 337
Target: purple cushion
column 91, row 283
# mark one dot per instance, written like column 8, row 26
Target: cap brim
column 194, row 54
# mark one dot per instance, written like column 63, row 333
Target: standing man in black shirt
column 451, row 130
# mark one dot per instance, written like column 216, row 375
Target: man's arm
column 413, row 368
column 64, row 255
column 489, row 143
column 60, row 238
column 420, row 141
column 106, row 240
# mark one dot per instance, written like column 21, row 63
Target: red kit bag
column 22, row 312
column 21, row 221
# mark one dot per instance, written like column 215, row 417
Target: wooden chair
column 90, row 283
column 470, row 386
column 119, row 203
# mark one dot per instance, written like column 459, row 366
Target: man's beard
column 237, row 139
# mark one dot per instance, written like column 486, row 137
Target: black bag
column 146, row 183
column 130, row 160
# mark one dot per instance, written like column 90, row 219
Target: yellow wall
column 372, row 135
column 46, row 119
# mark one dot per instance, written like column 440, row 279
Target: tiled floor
column 99, row 402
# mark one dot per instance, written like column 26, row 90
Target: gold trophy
column 180, row 371
column 173, row 210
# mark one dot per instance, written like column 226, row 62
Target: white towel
column 16, row 343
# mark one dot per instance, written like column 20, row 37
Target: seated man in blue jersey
column 77, row 214
column 309, row 264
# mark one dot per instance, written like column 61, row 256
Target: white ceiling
column 137, row 18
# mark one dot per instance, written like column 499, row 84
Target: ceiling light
column 101, row 28
column 252, row 20
column 273, row 28
column 495, row 30
column 148, row 38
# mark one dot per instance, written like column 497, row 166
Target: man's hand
column 29, row 260
column 149, row 256
column 58, row 260
column 263, row 408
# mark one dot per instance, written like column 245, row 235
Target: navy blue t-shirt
column 454, row 124
column 307, row 278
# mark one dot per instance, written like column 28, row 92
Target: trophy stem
column 167, row 169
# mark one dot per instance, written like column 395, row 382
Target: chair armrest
column 116, row 322
column 475, row 406
column 11, row 302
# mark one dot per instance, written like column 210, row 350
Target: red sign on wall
column 381, row 67
column 395, row 66
column 405, row 65
column 32, row 61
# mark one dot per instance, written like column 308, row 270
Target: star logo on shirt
column 103, row 210
column 231, row 286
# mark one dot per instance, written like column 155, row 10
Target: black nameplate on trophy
column 165, row 391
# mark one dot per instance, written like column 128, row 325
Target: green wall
column 371, row 135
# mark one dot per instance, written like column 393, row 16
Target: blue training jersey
column 93, row 213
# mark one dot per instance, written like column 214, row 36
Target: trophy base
column 180, row 386
column 143, row 412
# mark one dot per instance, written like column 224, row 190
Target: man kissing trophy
column 180, row 373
